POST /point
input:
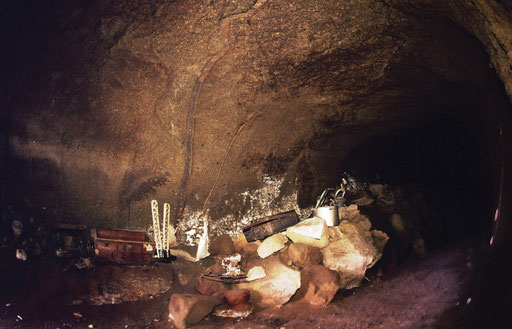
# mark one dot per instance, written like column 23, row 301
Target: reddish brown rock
column 320, row 284
column 222, row 245
column 236, row 297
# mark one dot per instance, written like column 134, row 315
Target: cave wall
column 231, row 109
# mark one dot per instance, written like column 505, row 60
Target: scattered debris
column 231, row 265
column 84, row 263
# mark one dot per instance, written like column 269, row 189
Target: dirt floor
column 434, row 292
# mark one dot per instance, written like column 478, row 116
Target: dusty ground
column 428, row 293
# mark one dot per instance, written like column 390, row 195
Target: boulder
column 312, row 231
column 236, row 297
column 240, row 243
column 301, row 255
column 277, row 287
column 255, row 273
column 320, row 284
column 222, row 245
column 351, row 255
column 272, row 244
column 187, row 309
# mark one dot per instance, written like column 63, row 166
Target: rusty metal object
column 122, row 246
column 270, row 225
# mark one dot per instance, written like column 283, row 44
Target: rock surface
column 312, row 231
column 301, row 255
column 187, row 309
column 236, row 297
column 271, row 245
column 255, row 273
column 222, row 246
column 320, row 284
column 277, row 287
column 352, row 253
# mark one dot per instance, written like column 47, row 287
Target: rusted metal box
column 122, row 246
column 270, row 225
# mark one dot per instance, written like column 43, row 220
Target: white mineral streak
column 262, row 202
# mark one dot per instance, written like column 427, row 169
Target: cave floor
column 431, row 292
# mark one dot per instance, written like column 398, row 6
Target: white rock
column 312, row 231
column 255, row 273
column 272, row 244
column 277, row 287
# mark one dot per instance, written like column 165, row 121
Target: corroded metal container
column 122, row 246
column 270, row 225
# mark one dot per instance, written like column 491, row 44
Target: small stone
column 312, row 231
column 187, row 309
column 222, row 245
column 397, row 223
column 301, row 255
column 255, row 273
column 21, row 254
column 272, row 244
column 236, row 297
column 320, row 284
column 240, row 242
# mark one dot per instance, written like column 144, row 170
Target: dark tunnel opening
column 443, row 159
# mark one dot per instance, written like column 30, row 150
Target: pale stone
column 277, row 287
column 255, row 273
column 397, row 223
column 272, row 244
column 351, row 255
column 187, row 309
column 312, row 231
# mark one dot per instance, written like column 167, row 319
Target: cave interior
column 231, row 111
